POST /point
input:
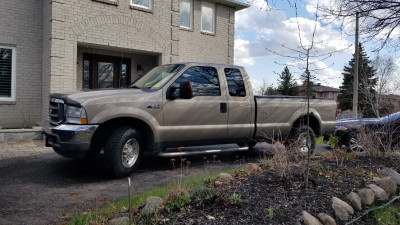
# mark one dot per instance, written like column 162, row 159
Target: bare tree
column 387, row 75
column 380, row 19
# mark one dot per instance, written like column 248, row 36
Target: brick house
column 49, row 46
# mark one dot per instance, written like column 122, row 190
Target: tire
column 299, row 138
column 124, row 150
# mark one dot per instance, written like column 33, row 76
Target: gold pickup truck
column 174, row 105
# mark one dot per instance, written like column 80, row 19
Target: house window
column 186, row 13
column 7, row 73
column 146, row 4
column 208, row 18
column 330, row 94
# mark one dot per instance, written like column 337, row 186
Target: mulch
column 266, row 198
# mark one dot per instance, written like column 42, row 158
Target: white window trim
column 13, row 74
column 211, row 5
column 191, row 14
column 142, row 6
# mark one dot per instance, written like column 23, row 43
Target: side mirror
column 170, row 93
column 185, row 90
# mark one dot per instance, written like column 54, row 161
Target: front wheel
column 124, row 150
column 302, row 136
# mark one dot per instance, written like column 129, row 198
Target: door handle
column 224, row 107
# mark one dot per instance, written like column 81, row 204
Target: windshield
column 391, row 117
column 157, row 77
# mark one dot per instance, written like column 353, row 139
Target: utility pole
column 355, row 81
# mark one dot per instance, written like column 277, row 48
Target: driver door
column 203, row 117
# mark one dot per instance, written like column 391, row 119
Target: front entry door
column 105, row 71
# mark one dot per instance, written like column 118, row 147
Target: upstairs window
column 7, row 73
column 208, row 18
column 186, row 13
column 146, row 4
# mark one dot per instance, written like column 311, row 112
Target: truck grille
column 56, row 111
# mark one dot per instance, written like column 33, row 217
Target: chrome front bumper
column 71, row 141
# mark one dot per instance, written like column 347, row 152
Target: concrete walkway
column 23, row 148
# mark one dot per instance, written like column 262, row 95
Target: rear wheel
column 124, row 150
column 355, row 143
column 302, row 136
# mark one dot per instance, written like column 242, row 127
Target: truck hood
column 91, row 95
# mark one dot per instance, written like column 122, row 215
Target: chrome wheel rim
column 302, row 142
column 355, row 144
column 130, row 153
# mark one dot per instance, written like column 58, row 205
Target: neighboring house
column 325, row 91
column 320, row 91
column 49, row 46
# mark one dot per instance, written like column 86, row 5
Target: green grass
column 320, row 140
column 387, row 216
column 104, row 213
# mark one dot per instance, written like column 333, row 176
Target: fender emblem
column 153, row 106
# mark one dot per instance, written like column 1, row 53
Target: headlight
column 75, row 115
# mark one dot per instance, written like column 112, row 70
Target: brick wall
column 21, row 27
column 52, row 35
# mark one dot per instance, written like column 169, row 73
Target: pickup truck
column 176, row 105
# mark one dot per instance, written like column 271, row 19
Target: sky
column 267, row 41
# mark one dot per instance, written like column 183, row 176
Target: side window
column 204, row 81
column 235, row 82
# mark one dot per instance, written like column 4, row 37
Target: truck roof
column 206, row 64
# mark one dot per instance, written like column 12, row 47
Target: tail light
column 336, row 114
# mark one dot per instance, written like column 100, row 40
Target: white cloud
column 320, row 72
column 260, row 30
column 242, row 55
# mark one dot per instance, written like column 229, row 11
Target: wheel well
column 314, row 124
column 105, row 129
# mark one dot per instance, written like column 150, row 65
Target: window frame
column 150, row 8
column 213, row 7
column 190, row 17
column 13, row 74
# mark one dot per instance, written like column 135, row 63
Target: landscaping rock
column 152, row 205
column 224, row 177
column 119, row 221
column 218, row 183
column 390, row 173
column 387, row 184
column 342, row 209
column 309, row 219
column 367, row 196
column 380, row 194
column 326, row 219
column 251, row 167
column 355, row 200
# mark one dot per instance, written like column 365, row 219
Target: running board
column 186, row 153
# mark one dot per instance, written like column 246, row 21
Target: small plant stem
column 129, row 200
